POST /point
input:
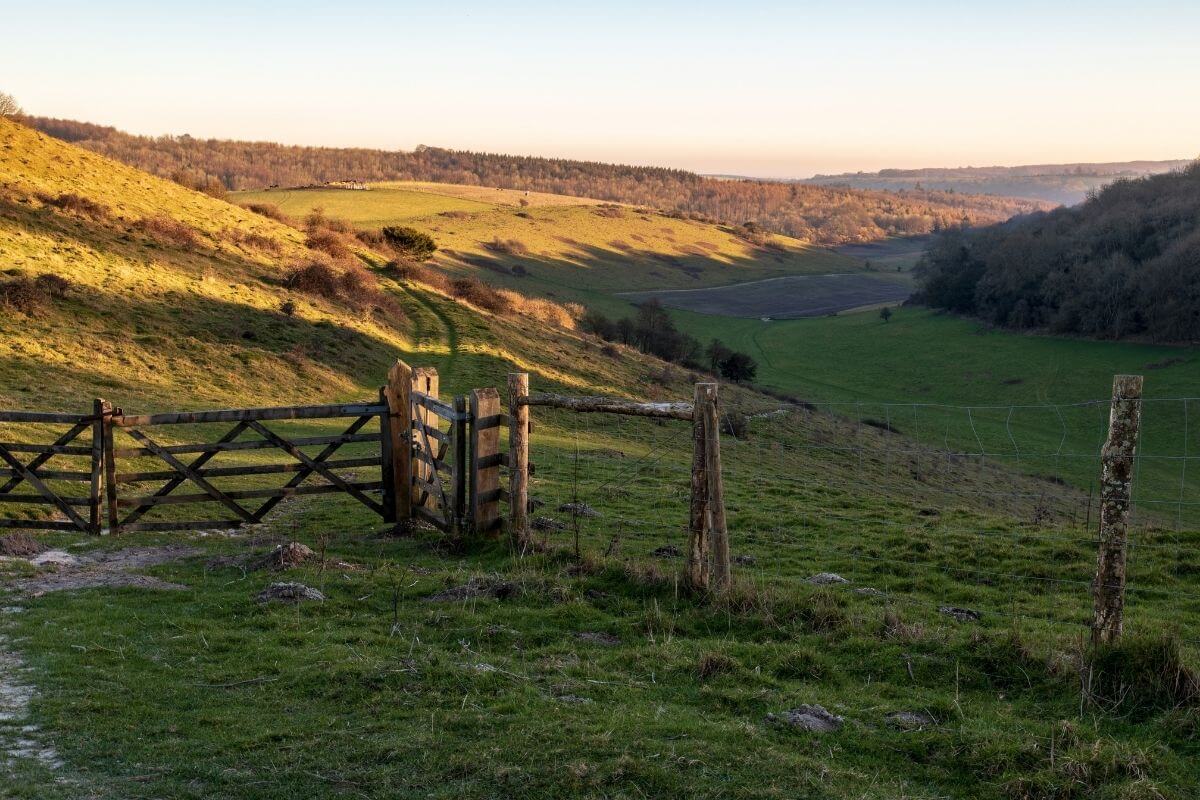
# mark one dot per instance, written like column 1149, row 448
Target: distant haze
column 768, row 89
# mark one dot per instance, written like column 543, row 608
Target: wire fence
column 965, row 513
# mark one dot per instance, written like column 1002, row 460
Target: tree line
column 652, row 331
column 1125, row 263
column 823, row 215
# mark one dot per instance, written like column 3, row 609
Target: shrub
column 329, row 242
column 1141, row 676
column 317, row 221
column 169, row 230
column 201, row 182
column 351, row 285
column 77, row 204
column 256, row 241
column 479, row 294
column 22, row 295
column 608, row 210
column 405, row 270
column 288, row 308
column 53, row 286
column 542, row 310
column 512, row 247
column 271, row 211
column 410, row 242
column 735, row 424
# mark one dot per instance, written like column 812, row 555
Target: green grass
column 380, row 693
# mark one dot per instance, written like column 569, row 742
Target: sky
column 750, row 88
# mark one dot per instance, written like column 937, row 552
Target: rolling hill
column 1067, row 184
column 820, row 215
column 443, row 669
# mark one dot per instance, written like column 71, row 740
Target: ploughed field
column 789, row 297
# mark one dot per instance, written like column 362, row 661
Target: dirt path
column 20, row 738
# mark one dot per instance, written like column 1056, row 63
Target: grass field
column 787, row 298
column 573, row 674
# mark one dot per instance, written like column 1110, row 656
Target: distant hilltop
column 1066, row 184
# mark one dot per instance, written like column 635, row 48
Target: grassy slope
column 572, row 252
column 377, row 692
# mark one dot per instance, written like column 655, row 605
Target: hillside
column 820, row 215
column 555, row 246
column 1065, row 184
column 456, row 669
column 1123, row 264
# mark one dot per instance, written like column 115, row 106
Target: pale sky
column 758, row 88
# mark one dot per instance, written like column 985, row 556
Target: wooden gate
column 438, row 453
column 188, row 462
column 28, row 477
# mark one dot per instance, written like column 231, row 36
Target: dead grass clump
column 896, row 628
column 480, row 295
column 711, row 665
column 255, row 241
column 1140, row 676
column 609, row 210
column 512, row 247
column 542, row 310
column 270, row 211
column 30, row 295
column 20, row 545
column 168, row 230
column 78, row 205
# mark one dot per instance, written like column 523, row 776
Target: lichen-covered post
column 518, row 456
column 714, row 516
column 697, row 548
column 1116, row 485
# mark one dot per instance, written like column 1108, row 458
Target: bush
column 288, row 308
column 256, row 241
column 201, row 182
column 22, row 295
column 330, row 243
column 53, row 286
column 1142, row 676
column 479, row 294
column 317, row 221
column 270, row 211
column 352, row 285
column 735, row 424
column 404, row 270
column 77, row 204
column 409, row 242
column 739, row 367
column 169, row 230
column 512, row 247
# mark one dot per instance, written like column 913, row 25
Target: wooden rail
column 608, row 405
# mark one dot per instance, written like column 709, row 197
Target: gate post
column 714, row 517
column 95, row 503
column 399, row 402
column 458, row 515
column 1116, row 484
column 697, row 548
column 518, row 456
column 485, row 460
column 110, row 468
column 424, row 381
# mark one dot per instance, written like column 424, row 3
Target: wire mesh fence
column 968, row 512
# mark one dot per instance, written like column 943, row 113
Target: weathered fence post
column 110, row 468
column 485, row 460
column 698, row 545
column 424, row 381
column 399, row 401
column 718, row 533
column 518, row 456
column 459, row 483
column 1116, row 484
column 95, row 501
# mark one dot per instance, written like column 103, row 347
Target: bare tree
column 8, row 105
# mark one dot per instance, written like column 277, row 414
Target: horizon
column 690, row 87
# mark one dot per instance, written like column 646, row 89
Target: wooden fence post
column 485, row 460
column 100, row 408
column 697, row 552
column 718, row 533
column 1116, row 485
column 399, row 402
column 110, row 469
column 461, row 467
column 425, row 381
column 518, row 456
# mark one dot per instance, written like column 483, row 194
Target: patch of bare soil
column 486, row 586
column 105, row 568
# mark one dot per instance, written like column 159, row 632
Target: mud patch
column 63, row 571
column 21, row 545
